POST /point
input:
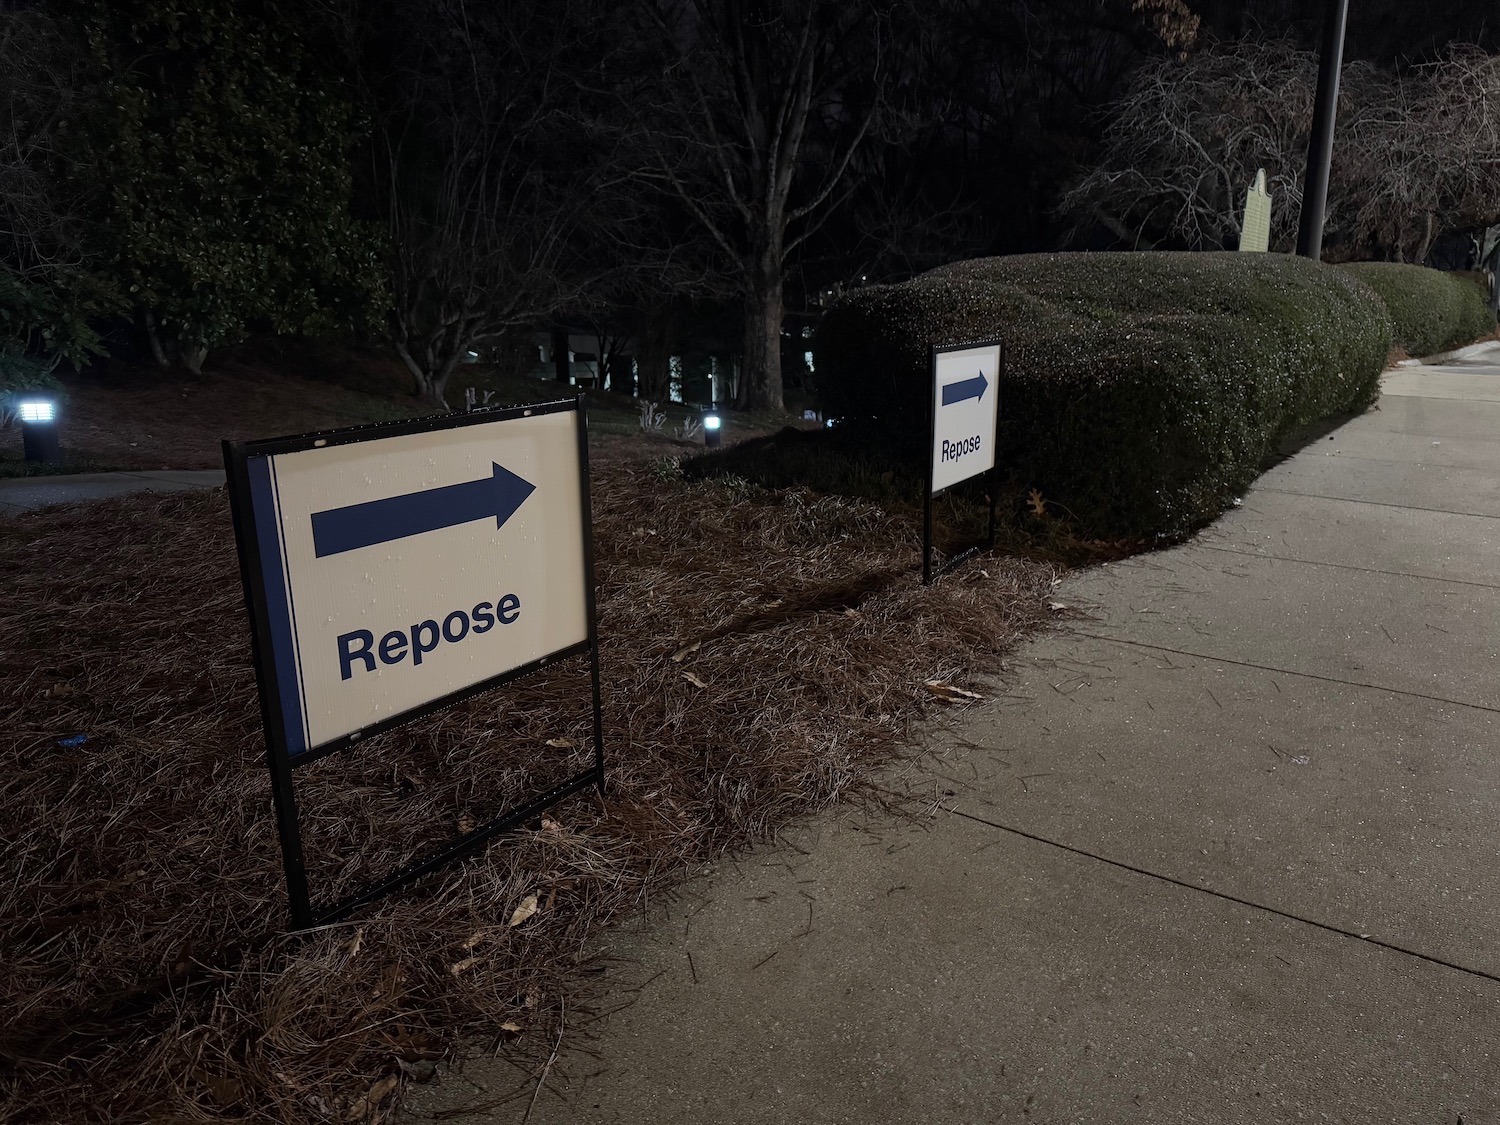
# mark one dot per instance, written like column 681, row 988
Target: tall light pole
column 1320, row 146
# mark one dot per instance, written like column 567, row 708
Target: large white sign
column 965, row 406
column 401, row 570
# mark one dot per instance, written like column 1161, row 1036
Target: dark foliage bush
column 1142, row 392
column 1431, row 311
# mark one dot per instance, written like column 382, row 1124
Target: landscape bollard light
column 39, row 430
column 711, row 423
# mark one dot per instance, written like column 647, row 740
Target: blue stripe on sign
column 291, row 601
column 278, row 601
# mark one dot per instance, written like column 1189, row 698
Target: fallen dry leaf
column 1056, row 607
column 357, row 942
column 1037, row 502
column 561, row 743
column 683, row 653
column 466, row 824
column 459, row 966
column 511, row 1026
column 371, row 1099
column 525, row 910
column 950, row 693
column 474, row 939
column 694, row 680
column 550, row 825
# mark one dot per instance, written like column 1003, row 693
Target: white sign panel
column 965, row 406
column 403, row 569
column 1255, row 231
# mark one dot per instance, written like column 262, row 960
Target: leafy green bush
column 1142, row 392
column 227, row 160
column 51, row 317
column 1432, row 311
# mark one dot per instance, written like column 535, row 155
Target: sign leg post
column 289, row 828
column 927, row 540
column 994, row 499
column 598, row 717
column 586, row 502
column 995, row 469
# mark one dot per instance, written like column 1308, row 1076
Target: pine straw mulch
column 144, row 976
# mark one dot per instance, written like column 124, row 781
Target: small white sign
column 965, row 406
column 400, row 570
column 1255, row 230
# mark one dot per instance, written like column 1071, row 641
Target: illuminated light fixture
column 711, row 432
column 37, row 410
column 38, row 430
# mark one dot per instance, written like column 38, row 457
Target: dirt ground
column 764, row 650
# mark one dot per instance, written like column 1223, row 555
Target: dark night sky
column 1388, row 30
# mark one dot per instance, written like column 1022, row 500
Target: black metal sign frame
column 929, row 575
column 238, row 457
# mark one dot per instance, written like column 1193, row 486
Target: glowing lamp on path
column 38, row 418
column 711, row 431
column 38, row 410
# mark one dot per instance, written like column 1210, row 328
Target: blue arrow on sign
column 381, row 521
column 965, row 389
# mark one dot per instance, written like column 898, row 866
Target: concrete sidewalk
column 1225, row 848
column 22, row 494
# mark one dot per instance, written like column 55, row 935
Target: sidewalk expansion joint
column 1445, row 398
column 1227, row 897
column 1375, row 503
column 1348, row 566
column 1288, row 671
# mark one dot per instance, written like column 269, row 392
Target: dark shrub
column 1431, row 311
column 1142, row 392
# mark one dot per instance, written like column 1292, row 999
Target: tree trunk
column 192, row 356
column 153, row 338
column 621, row 378
column 1423, row 247
column 440, row 378
column 760, row 387
column 430, row 384
column 561, row 367
column 653, row 355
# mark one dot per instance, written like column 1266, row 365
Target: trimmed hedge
column 1431, row 311
column 1142, row 391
